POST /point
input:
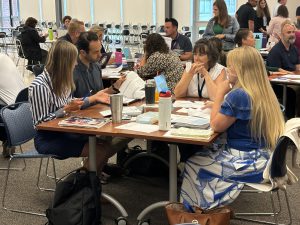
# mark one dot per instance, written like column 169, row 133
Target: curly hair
column 205, row 47
column 155, row 43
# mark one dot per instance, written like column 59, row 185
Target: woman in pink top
column 297, row 42
column 274, row 29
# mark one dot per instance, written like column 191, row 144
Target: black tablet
column 104, row 59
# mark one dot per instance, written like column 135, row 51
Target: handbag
column 177, row 213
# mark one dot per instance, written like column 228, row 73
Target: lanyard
column 200, row 89
column 174, row 42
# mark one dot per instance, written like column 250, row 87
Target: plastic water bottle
column 257, row 42
column 50, row 33
column 164, row 111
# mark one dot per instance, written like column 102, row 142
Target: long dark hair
column 283, row 11
column 262, row 12
column 155, row 43
column 223, row 18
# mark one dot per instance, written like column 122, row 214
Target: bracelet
column 115, row 89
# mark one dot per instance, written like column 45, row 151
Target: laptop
column 104, row 59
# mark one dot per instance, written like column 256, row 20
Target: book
column 87, row 122
column 133, row 87
column 191, row 133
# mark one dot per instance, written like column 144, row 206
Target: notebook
column 87, row 122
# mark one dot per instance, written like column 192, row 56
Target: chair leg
column 38, row 178
column 274, row 213
column 16, row 168
column 4, row 195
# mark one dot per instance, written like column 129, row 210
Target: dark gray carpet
column 134, row 193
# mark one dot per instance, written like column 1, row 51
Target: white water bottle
column 164, row 111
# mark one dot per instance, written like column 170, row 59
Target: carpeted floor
column 134, row 193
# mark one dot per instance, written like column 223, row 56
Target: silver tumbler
column 116, row 107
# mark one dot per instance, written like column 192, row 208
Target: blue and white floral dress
column 215, row 175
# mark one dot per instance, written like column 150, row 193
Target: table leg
column 173, row 173
column 284, row 96
column 92, row 154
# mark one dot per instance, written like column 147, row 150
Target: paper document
column 291, row 76
column 112, row 72
column 189, row 133
column 133, row 87
column 189, row 121
column 188, row 104
column 129, row 110
column 146, row 128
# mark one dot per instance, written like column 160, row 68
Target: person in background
column 158, row 59
column 180, row 43
column 262, row 17
column 276, row 6
column 100, row 33
column 31, row 40
column 217, row 43
column 297, row 42
column 285, row 55
column 66, row 21
column 222, row 25
column 246, row 15
column 250, row 115
column 244, row 37
column 50, row 97
column 274, row 28
column 11, row 84
column 75, row 28
column 201, row 78
column 297, row 23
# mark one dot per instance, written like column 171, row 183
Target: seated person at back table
column 180, row 43
column 50, row 97
column 159, row 59
column 74, row 29
column 252, row 119
column 88, row 83
column 31, row 40
column 11, row 84
column 285, row 55
column 244, row 37
column 201, row 78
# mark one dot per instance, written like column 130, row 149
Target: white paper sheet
column 146, row 128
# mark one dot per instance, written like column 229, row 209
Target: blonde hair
column 98, row 30
column 75, row 26
column 60, row 64
column 287, row 22
column 267, row 123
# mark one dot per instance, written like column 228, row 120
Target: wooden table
column 110, row 130
column 285, row 83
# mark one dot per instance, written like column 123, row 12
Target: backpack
column 76, row 200
column 146, row 165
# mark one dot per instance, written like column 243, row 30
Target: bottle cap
column 165, row 94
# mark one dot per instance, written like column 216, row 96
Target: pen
column 87, row 94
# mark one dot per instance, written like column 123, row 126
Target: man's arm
column 186, row 56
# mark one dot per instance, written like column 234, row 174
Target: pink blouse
column 274, row 28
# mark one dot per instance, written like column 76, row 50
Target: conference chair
column 19, row 128
column 3, row 44
column 277, row 169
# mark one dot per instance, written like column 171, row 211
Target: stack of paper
column 193, row 133
column 112, row 72
column 189, row 121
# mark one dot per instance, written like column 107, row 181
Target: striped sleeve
column 39, row 97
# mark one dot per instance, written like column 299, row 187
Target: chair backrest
column 17, row 119
column 22, row 96
column 20, row 48
column 38, row 69
column 278, row 164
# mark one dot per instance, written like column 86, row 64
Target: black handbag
column 76, row 200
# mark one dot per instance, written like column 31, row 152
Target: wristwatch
column 115, row 89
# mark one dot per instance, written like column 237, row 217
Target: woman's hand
column 195, row 68
column 208, row 105
column 223, row 88
column 220, row 36
column 74, row 105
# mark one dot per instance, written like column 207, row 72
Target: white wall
column 160, row 12
column 29, row 8
column 182, row 12
column 137, row 11
column 48, row 8
column 107, row 11
column 79, row 9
